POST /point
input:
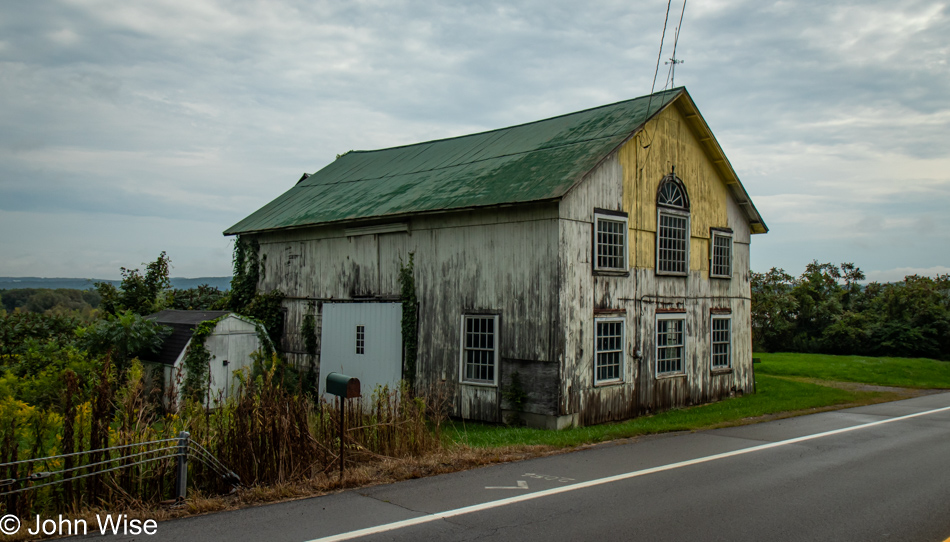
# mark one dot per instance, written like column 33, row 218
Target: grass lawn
column 898, row 372
column 775, row 395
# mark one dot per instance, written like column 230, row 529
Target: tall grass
column 267, row 434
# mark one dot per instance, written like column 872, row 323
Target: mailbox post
column 344, row 387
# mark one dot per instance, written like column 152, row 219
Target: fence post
column 181, row 479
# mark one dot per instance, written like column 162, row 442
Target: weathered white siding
column 231, row 345
column 498, row 261
column 627, row 181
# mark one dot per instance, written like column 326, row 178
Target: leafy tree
column 141, row 294
column 13, row 299
column 915, row 317
column 18, row 328
column 827, row 310
column 124, row 336
column 773, row 310
column 204, row 297
column 36, row 375
column 818, row 295
column 44, row 300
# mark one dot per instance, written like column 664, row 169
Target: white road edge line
column 600, row 481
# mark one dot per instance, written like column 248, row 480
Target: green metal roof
column 530, row 162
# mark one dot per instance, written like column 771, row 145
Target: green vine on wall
column 197, row 362
column 247, row 273
column 410, row 317
column 266, row 309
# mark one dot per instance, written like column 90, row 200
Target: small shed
column 231, row 344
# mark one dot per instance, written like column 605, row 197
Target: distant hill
column 14, row 283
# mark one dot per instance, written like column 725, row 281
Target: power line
column 673, row 60
column 659, row 54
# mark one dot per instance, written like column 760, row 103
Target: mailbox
column 343, row 386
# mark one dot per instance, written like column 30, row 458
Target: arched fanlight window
column 672, row 193
column 672, row 231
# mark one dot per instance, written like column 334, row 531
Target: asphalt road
column 880, row 472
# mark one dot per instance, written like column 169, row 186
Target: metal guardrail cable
column 47, row 474
column 227, row 470
column 37, row 459
column 225, row 475
column 220, row 468
column 193, row 450
column 107, row 461
column 207, row 462
column 195, row 447
column 81, row 476
column 211, row 464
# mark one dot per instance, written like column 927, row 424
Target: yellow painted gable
column 669, row 141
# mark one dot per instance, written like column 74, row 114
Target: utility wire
column 676, row 39
column 659, row 55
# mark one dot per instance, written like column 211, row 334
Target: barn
column 595, row 265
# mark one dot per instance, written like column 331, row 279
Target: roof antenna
column 674, row 61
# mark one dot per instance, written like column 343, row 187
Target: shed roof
column 171, row 316
column 183, row 324
column 530, row 162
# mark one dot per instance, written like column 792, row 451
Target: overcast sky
column 128, row 128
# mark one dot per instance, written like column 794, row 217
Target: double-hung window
column 672, row 227
column 721, row 342
column 610, row 242
column 608, row 365
column 670, row 343
column 479, row 364
column 720, row 258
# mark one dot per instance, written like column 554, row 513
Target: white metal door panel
column 379, row 362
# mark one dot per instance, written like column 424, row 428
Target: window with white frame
column 721, row 342
column 608, row 365
column 360, row 339
column 670, row 343
column 480, row 349
column 611, row 242
column 720, row 261
column 672, row 227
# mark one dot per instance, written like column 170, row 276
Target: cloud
column 898, row 274
column 180, row 113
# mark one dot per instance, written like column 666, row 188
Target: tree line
column 828, row 310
